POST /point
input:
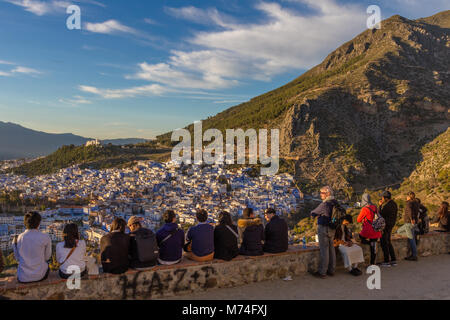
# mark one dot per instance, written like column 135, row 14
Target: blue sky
column 140, row 68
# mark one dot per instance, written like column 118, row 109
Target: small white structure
column 95, row 142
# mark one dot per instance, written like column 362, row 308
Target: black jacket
column 251, row 232
column 411, row 211
column 276, row 235
column 225, row 242
column 389, row 212
column 114, row 248
column 134, row 258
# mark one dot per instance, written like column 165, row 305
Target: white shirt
column 32, row 251
column 78, row 257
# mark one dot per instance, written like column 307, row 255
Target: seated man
column 202, row 239
column 32, row 249
column 170, row 240
column 276, row 233
column 352, row 254
column 143, row 245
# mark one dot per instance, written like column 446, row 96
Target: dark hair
column 443, row 210
column 118, row 225
column 412, row 195
column 270, row 211
column 168, row 216
column 225, row 218
column 247, row 212
column 348, row 218
column 32, row 220
column 202, row 215
column 71, row 235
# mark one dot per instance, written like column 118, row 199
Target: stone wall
column 188, row 276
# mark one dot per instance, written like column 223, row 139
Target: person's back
column 114, row 248
column 170, row 240
column 202, row 236
column 389, row 212
column 226, row 241
column 411, row 211
column 143, row 248
column 252, row 234
column 276, row 235
column 32, row 250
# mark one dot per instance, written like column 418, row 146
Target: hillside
column 18, row 142
column 430, row 180
column 90, row 157
column 360, row 118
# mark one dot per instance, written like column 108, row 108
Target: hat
column 386, row 194
column 133, row 220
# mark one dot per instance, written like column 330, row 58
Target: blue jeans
column 327, row 251
column 412, row 243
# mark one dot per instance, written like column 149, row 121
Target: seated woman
column 201, row 238
column 443, row 218
column 114, row 248
column 352, row 254
column 71, row 252
column 251, row 234
column 226, row 238
column 368, row 235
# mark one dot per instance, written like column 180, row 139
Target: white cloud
column 41, row 8
column 284, row 40
column 25, row 70
column 37, row 7
column 153, row 89
column 109, row 27
column 6, row 62
column 5, row 74
column 76, row 100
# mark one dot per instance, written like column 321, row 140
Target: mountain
column 430, row 180
column 360, row 118
column 19, row 142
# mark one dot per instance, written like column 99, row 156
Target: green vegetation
column 90, row 157
column 260, row 110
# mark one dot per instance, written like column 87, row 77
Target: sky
column 141, row 68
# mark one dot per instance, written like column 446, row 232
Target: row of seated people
column 141, row 249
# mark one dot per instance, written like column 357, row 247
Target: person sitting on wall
column 71, row 252
column 200, row 239
column 251, row 234
column 226, row 238
column 170, row 240
column 114, row 248
column 276, row 233
column 33, row 250
column 352, row 254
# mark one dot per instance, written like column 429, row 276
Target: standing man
column 32, row 249
column 327, row 264
column 276, row 233
column 388, row 210
column 411, row 217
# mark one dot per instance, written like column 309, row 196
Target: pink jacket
column 366, row 216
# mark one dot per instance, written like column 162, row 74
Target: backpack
column 147, row 246
column 378, row 223
column 337, row 214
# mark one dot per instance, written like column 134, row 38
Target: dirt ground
column 429, row 278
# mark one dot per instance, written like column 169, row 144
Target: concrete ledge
column 189, row 276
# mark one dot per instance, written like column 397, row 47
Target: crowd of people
column 141, row 249
column 377, row 224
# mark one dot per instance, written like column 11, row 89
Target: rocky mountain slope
column 360, row 118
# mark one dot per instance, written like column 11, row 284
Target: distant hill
column 360, row 118
column 20, row 142
column 94, row 157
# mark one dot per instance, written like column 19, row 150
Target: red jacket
column 366, row 216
